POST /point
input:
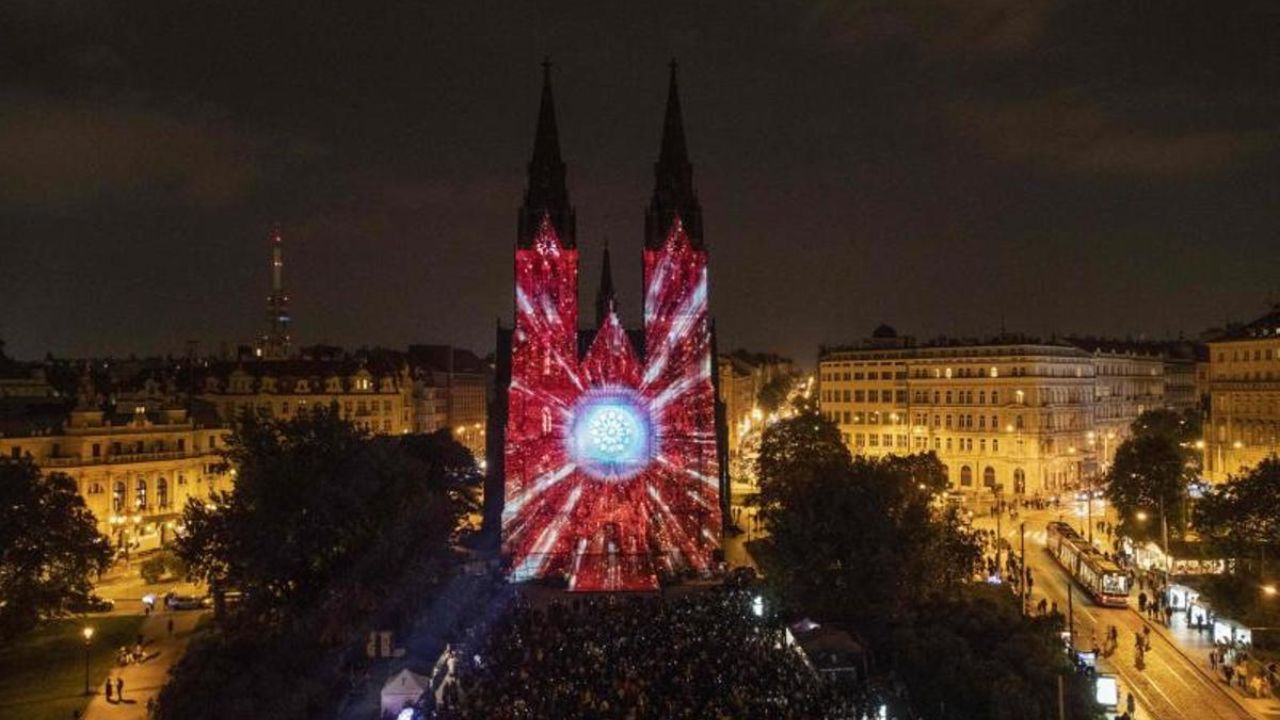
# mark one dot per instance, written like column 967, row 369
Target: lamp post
column 87, row 632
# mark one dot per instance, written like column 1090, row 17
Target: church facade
column 606, row 446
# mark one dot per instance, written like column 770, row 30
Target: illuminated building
column 1244, row 397
column 375, row 392
column 136, row 449
column 1011, row 413
column 608, row 461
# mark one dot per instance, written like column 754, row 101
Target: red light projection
column 611, row 467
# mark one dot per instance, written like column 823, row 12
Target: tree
column 329, row 534
column 774, row 394
column 1243, row 514
column 855, row 539
column 973, row 655
column 49, row 546
column 1151, row 471
column 322, row 514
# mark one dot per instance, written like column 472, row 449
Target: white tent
column 403, row 688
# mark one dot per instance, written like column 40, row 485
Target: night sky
column 1090, row 167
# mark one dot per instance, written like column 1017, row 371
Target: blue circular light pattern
column 611, row 435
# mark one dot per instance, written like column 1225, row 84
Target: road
column 1169, row 687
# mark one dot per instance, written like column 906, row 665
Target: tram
column 1107, row 584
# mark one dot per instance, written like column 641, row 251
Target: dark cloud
column 945, row 166
column 61, row 154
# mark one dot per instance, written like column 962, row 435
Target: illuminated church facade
column 606, row 446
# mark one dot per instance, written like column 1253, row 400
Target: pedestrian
column 1213, row 659
column 170, row 625
column 107, row 689
column 1228, row 671
column 1146, row 636
column 1142, row 602
column 1130, row 705
column 151, row 706
column 120, row 689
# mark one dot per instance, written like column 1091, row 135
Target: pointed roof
column 673, row 193
column 674, row 153
column 605, row 296
column 546, row 139
column 546, row 193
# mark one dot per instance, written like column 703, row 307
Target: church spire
column 546, row 192
column 605, row 297
column 673, row 193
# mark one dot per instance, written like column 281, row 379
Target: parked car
column 93, row 604
column 187, row 602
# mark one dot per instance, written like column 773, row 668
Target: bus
column 1107, row 584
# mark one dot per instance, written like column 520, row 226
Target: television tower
column 277, row 344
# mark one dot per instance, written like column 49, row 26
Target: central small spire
column 605, row 296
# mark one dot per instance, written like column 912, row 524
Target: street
column 1171, row 686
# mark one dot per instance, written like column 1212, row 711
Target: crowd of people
column 702, row 655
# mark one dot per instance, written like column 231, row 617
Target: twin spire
column 547, row 192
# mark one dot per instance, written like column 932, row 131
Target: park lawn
column 42, row 672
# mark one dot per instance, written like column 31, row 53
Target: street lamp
column 87, row 632
column 1269, row 590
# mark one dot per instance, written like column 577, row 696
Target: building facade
column 1010, row 415
column 374, row 393
column 1244, row 397
column 137, row 456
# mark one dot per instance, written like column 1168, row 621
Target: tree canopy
column 327, row 533
column 1151, row 471
column 1244, row 511
column 49, row 546
column 855, row 538
column 867, row 543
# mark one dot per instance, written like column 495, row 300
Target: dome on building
column 884, row 332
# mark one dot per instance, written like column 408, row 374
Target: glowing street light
column 87, row 633
column 1269, row 590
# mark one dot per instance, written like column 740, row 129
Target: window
column 995, row 445
column 989, row 477
column 873, row 440
column 182, row 446
column 97, row 450
column 982, row 445
column 966, row 476
column 948, row 422
column 900, row 397
column 935, row 397
column 140, row 495
column 847, row 417
column 873, row 396
column 859, row 396
column 948, row 396
column 995, row 397
column 846, row 396
column 859, row 440
column 162, row 493
column 117, row 497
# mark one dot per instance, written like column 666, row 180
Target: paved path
column 144, row 680
column 1175, row 683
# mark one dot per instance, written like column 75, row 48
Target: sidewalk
column 1195, row 645
column 143, row 681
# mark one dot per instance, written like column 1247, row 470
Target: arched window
column 117, row 497
column 1019, row 481
column 140, row 494
column 989, row 477
column 966, row 476
column 162, row 493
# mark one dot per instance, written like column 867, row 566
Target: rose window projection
column 611, row 465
